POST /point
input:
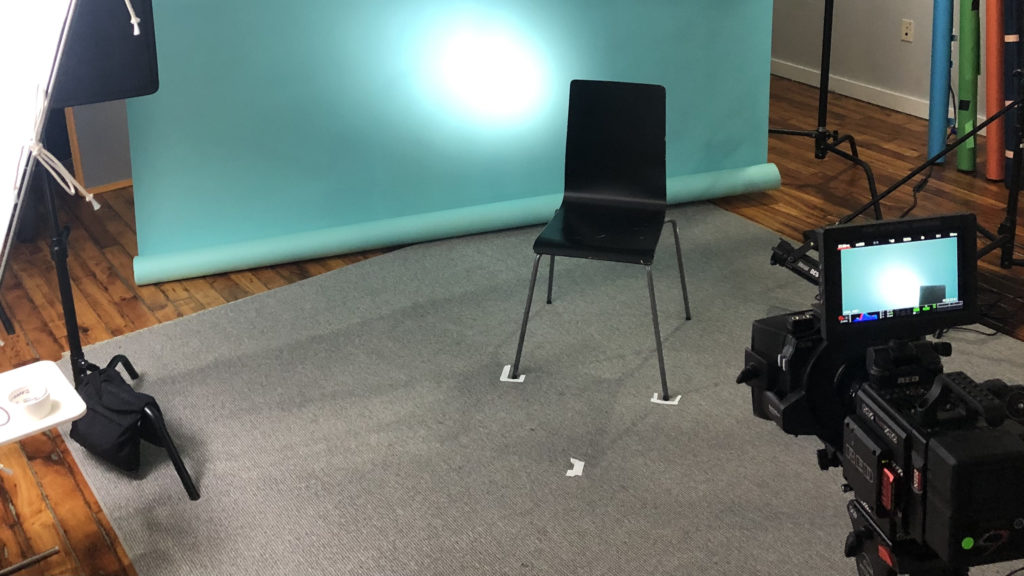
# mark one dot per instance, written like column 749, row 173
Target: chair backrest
column 615, row 146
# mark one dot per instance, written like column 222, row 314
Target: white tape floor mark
column 577, row 468
column 505, row 375
column 673, row 402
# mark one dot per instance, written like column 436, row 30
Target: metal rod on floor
column 29, row 562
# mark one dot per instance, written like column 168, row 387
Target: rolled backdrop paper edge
column 153, row 268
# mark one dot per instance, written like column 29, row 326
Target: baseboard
column 856, row 89
column 853, row 88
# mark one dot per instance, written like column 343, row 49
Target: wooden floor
column 47, row 503
column 815, row 192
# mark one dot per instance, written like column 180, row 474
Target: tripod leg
column 847, row 138
column 864, row 166
column 157, row 421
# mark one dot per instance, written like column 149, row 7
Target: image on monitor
column 898, row 277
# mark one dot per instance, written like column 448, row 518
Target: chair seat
column 602, row 234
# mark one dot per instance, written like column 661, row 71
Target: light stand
column 826, row 141
column 1006, row 235
column 80, row 367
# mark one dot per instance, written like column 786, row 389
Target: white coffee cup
column 33, row 399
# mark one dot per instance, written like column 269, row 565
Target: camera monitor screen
column 899, row 279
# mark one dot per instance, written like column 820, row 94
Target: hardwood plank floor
column 815, row 192
column 45, row 501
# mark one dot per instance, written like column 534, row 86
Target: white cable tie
column 134, row 19
column 60, row 173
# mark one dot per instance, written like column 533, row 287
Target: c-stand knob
column 749, row 373
column 827, row 458
column 944, row 349
column 855, row 542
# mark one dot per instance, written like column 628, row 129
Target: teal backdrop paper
column 291, row 130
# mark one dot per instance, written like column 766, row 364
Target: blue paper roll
column 938, row 109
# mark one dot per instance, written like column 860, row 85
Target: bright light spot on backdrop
column 484, row 68
column 898, row 287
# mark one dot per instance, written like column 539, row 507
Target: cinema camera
column 935, row 460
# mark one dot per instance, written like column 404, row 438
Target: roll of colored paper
column 995, row 142
column 938, row 97
column 967, row 108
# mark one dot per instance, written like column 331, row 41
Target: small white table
column 65, row 404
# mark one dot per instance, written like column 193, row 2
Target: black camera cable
column 917, row 189
column 950, row 134
column 940, row 333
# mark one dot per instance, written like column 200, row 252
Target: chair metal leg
column 526, row 317
column 156, row 419
column 682, row 275
column 551, row 276
column 657, row 333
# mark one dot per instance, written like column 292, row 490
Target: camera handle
column 977, row 400
column 797, row 260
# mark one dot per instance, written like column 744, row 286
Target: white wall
column 102, row 134
column 869, row 60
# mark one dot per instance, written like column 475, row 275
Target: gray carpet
column 354, row 423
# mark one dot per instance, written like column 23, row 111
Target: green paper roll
column 967, row 109
column 420, row 228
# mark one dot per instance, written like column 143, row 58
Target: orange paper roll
column 994, row 90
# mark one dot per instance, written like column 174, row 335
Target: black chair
column 613, row 206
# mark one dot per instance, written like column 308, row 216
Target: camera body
column 939, row 464
column 935, row 460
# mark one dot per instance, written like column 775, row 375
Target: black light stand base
column 826, row 141
column 1004, row 241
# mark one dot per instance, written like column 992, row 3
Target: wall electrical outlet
column 907, row 30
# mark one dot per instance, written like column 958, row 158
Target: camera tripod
column 826, row 140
